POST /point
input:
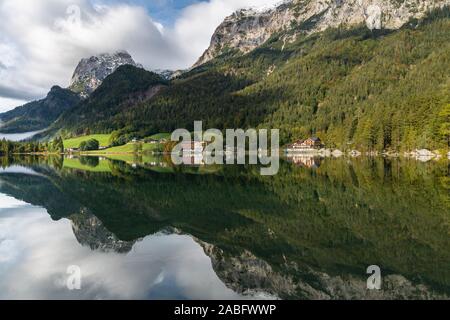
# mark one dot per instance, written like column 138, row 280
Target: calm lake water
column 140, row 228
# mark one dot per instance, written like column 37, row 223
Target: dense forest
column 354, row 88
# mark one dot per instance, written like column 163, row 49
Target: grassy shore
column 103, row 139
column 128, row 148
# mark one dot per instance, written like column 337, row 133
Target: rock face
column 91, row 72
column 247, row 29
column 91, row 232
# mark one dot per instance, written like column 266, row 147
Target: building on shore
column 310, row 144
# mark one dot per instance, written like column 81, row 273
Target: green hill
column 120, row 91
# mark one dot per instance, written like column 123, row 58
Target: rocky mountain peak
column 90, row 72
column 247, row 29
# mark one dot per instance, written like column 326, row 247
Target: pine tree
column 445, row 125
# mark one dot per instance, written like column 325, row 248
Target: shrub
column 90, row 145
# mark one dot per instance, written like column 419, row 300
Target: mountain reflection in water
column 141, row 228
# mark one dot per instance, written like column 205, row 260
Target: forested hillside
column 126, row 87
column 354, row 88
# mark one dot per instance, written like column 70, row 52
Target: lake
column 142, row 228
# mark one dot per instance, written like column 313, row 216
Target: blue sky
column 164, row 11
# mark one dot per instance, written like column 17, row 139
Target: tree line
column 10, row 147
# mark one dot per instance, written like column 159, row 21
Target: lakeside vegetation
column 29, row 147
column 107, row 146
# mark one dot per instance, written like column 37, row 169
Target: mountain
column 358, row 75
column 247, row 29
column 169, row 74
column 38, row 115
column 128, row 86
column 351, row 86
column 91, row 72
column 88, row 76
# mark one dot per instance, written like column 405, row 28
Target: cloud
column 42, row 41
column 7, row 103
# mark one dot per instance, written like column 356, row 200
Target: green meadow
column 160, row 136
column 104, row 140
column 128, row 148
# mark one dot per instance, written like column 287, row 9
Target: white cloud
column 8, row 103
column 42, row 41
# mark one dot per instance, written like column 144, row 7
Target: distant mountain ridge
column 38, row 115
column 248, row 29
column 88, row 76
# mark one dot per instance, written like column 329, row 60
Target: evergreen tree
column 445, row 125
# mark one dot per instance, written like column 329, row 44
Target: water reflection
column 305, row 161
column 142, row 228
column 36, row 252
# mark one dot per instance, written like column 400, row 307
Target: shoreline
column 324, row 153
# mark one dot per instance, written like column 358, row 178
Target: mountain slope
column 38, row 115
